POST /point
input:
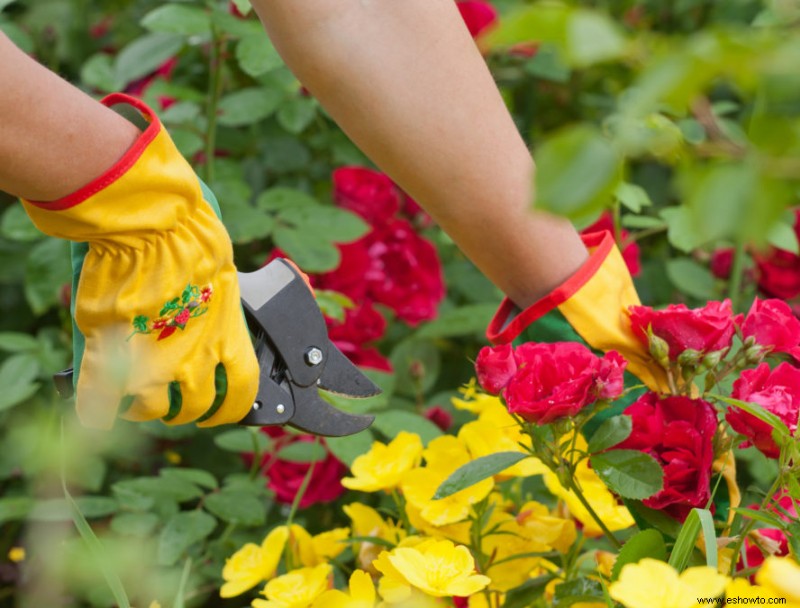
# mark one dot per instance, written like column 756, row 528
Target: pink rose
column 678, row 432
column 630, row 253
column 369, row 193
column 284, row 477
column 405, row 273
column 478, row 15
column 558, row 380
column 495, row 367
column 773, row 325
column 705, row 330
column 778, row 392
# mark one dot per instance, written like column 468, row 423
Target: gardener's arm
column 53, row 138
column 406, row 82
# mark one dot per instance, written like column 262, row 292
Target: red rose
column 778, row 392
column 678, row 432
column 721, row 263
column 361, row 324
column 405, row 272
column 370, row 194
column 773, row 325
column 440, row 417
column 285, row 477
column 705, row 330
column 630, row 253
column 478, row 15
column 348, row 277
column 495, row 367
column 558, row 380
column 363, row 356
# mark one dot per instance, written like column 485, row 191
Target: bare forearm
column 407, row 84
column 53, row 138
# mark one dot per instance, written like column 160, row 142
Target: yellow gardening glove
column 595, row 302
column 158, row 297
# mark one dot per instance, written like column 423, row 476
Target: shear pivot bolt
column 279, row 408
column 313, row 356
column 257, row 406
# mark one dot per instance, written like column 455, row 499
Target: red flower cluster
column 704, row 330
column 777, row 271
column 285, row 477
column 772, row 325
column 546, row 382
column 678, row 432
column 778, row 392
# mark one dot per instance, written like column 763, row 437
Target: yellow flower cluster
column 478, row 544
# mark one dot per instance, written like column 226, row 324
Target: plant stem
column 737, row 271
column 214, row 92
column 608, row 533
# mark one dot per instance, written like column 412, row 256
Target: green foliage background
column 681, row 117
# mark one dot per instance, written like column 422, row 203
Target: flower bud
column 689, row 358
column 711, row 360
column 754, row 354
column 659, row 349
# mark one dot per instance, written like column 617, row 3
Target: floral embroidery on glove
column 175, row 313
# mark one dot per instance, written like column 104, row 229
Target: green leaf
column 783, row 236
column 199, row 477
column 17, row 374
column 759, row 412
column 173, row 488
column 134, row 524
column 691, row 278
column 528, row 592
column 96, row 550
column 390, row 423
column 307, row 251
column 145, row 54
column 181, row 532
column 5, row 3
column 629, row 473
column 243, row 6
column 323, row 222
column 347, row 449
column 303, row 451
column 684, row 545
column 58, row 509
column 592, row 37
column 647, row 543
column 460, row 321
column 548, row 64
column 633, row 196
column 256, row 55
column 246, row 224
column 240, row 508
column 297, row 113
column 281, row 198
column 98, row 72
column 681, row 231
column 47, row 270
column 15, row 342
column 18, row 36
column 332, row 303
column 416, row 365
column 243, row 441
column 177, row 19
column 651, row 518
column 613, row 431
column 577, row 172
column 17, row 226
column 248, row 106
column 15, row 508
column 642, row 222
column 581, row 590
column 477, row 470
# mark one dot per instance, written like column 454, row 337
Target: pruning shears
column 295, row 355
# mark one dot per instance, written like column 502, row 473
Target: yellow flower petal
column 781, row 575
column 383, row 467
column 298, row 588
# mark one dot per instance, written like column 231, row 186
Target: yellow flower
column 253, row 563
column 546, row 529
column 438, row 568
column 384, row 466
column 296, row 589
column 16, row 554
column 361, row 594
column 368, row 522
column 319, row 549
column 496, row 431
column 614, row 515
column 443, row 456
column 781, row 576
column 741, row 588
column 655, row 584
column 474, row 400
